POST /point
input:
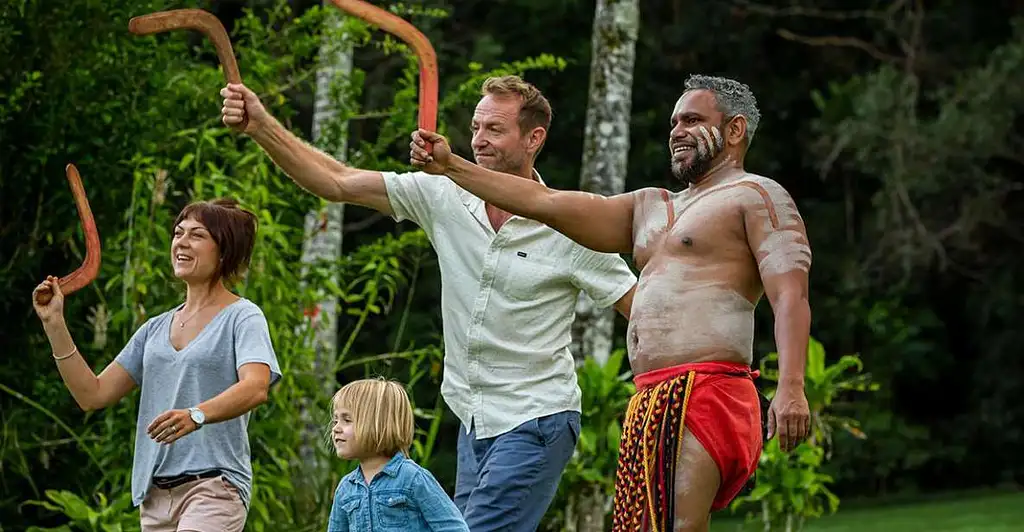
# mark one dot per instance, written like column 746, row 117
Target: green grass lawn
column 990, row 513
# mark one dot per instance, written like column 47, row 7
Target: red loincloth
column 718, row 403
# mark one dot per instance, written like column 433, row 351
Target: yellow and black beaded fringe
column 648, row 454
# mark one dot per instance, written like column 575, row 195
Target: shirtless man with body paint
column 692, row 435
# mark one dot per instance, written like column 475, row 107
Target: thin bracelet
column 69, row 355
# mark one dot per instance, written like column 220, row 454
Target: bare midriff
column 702, row 254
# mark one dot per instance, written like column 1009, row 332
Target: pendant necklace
column 181, row 323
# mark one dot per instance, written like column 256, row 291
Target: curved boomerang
column 198, row 20
column 90, row 268
column 404, row 30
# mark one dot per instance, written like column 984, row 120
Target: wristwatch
column 197, row 416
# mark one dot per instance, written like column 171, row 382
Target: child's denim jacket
column 403, row 496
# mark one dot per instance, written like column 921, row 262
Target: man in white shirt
column 509, row 287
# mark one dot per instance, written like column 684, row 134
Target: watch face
column 197, row 416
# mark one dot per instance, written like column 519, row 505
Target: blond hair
column 534, row 108
column 381, row 413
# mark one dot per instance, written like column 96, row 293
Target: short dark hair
column 232, row 228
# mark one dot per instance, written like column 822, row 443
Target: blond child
column 372, row 422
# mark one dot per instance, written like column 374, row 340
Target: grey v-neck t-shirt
column 171, row 379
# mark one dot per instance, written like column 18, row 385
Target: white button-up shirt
column 508, row 300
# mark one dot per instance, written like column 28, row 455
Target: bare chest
column 695, row 230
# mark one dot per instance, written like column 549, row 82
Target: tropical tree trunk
column 605, row 154
column 593, row 508
column 606, row 144
column 323, row 240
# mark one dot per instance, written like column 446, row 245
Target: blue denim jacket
column 403, row 496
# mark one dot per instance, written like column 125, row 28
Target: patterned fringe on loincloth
column 648, row 454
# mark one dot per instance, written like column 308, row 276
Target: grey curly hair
column 734, row 98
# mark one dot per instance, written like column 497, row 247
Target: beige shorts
column 205, row 505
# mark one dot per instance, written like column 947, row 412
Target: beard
column 708, row 145
column 500, row 162
column 692, row 172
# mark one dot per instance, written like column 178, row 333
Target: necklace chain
column 181, row 323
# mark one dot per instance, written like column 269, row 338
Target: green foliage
column 157, row 137
column 791, row 487
column 108, row 516
column 606, row 395
column 931, row 135
column 932, row 201
column 588, row 482
column 822, row 384
column 929, row 163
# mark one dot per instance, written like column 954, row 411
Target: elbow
column 339, row 192
column 259, row 396
column 797, row 300
column 794, row 306
column 89, row 405
column 793, row 301
column 348, row 185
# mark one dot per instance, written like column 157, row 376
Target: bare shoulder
column 642, row 197
column 650, row 192
column 651, row 201
column 765, row 196
column 770, row 190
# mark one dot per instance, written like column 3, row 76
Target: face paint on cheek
column 704, row 143
column 719, row 141
column 709, row 143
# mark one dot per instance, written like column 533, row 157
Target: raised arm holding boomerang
column 508, row 375
column 189, row 382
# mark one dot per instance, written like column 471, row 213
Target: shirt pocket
column 351, row 509
column 397, row 512
column 527, row 277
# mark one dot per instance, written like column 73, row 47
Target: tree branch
column 847, row 42
column 362, row 224
column 800, row 11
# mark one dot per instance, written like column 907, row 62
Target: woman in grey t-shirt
column 201, row 366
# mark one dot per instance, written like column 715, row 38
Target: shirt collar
column 390, row 469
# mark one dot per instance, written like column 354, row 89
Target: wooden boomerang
column 402, row 29
column 90, row 267
column 199, row 20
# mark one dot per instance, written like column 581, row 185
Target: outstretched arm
column 778, row 240
column 598, row 222
column 309, row 167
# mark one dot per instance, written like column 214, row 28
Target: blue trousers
column 507, row 482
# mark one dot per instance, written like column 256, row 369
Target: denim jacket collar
column 390, row 469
